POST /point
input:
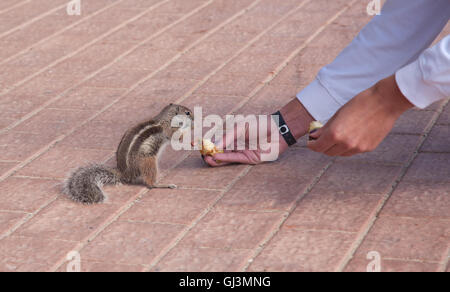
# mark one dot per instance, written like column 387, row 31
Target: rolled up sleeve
column 427, row 79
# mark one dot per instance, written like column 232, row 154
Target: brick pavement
column 71, row 85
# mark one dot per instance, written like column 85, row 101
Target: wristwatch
column 284, row 129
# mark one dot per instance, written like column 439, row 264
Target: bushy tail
column 85, row 184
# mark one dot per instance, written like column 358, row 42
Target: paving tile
column 194, row 173
column 253, row 64
column 438, row 140
column 19, row 253
column 14, row 106
column 330, row 210
column 230, row 229
column 117, row 78
column 276, row 185
column 101, row 267
column 394, row 149
column 59, row 161
column 299, row 250
column 349, row 177
column 164, row 206
column 121, row 194
column 164, row 89
column 17, row 146
column 10, row 219
column 4, row 123
column 87, row 98
column 182, row 259
column 413, row 122
column 389, row 265
column 213, row 104
column 235, row 85
column 6, row 166
column 444, row 119
column 146, row 57
column 53, row 122
column 97, row 135
column 407, row 238
column 412, row 230
column 28, row 195
column 416, row 199
column 66, row 220
column 429, row 167
column 130, row 242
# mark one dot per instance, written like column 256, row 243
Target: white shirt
column 394, row 42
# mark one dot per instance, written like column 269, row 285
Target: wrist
column 391, row 95
column 297, row 118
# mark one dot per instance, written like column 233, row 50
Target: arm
column 389, row 42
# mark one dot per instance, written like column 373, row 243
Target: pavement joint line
column 14, row 211
column 27, row 218
column 410, row 260
column 140, row 194
column 38, row 177
column 322, row 230
column 152, row 222
column 14, row 6
column 169, row 247
column 124, row 208
column 32, row 20
column 445, row 264
column 238, row 53
column 61, row 31
column 44, row 106
column 53, row 100
column 62, row 137
column 265, row 241
column 285, row 63
column 367, row 227
column 83, row 47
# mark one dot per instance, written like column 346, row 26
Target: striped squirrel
column 137, row 159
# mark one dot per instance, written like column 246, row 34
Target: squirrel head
column 173, row 110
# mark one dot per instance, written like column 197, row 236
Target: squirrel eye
column 188, row 113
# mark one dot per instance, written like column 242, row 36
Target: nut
column 208, row 148
column 314, row 126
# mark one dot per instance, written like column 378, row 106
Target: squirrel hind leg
column 149, row 172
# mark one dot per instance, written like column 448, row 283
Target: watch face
column 284, row 129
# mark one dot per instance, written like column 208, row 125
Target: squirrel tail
column 85, row 184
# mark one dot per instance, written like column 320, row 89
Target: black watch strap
column 284, row 130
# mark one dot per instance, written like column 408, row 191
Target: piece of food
column 314, row 126
column 208, row 148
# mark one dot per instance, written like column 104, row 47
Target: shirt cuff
column 411, row 83
column 318, row 101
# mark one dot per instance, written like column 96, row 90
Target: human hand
column 362, row 124
column 295, row 116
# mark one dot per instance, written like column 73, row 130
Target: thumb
column 315, row 134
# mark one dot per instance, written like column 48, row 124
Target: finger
column 212, row 162
column 315, row 134
column 321, row 145
column 232, row 157
column 230, row 138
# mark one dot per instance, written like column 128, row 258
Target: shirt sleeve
column 427, row 79
column 390, row 41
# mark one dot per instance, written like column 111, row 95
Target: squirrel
column 137, row 159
